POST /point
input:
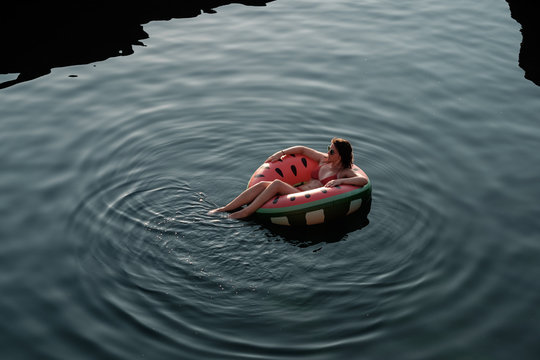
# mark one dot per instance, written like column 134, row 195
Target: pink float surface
column 294, row 170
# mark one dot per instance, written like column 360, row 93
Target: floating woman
column 334, row 168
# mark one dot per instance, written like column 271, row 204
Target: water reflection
column 45, row 35
column 526, row 13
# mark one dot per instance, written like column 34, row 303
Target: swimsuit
column 315, row 175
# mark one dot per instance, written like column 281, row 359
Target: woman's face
column 333, row 154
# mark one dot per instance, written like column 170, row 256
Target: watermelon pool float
column 310, row 207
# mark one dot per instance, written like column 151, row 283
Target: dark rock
column 39, row 36
column 527, row 14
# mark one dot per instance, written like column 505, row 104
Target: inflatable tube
column 310, row 207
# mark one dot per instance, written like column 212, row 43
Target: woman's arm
column 309, row 152
column 349, row 178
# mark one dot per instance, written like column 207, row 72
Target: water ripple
column 444, row 266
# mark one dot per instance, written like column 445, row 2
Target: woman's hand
column 333, row 183
column 275, row 157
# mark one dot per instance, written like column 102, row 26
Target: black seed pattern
column 324, row 191
column 293, row 155
column 293, row 198
column 304, row 162
column 278, row 170
column 275, row 200
column 308, row 196
column 259, row 175
column 293, row 168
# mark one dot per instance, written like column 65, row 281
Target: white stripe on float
column 280, row 220
column 315, row 217
column 354, row 205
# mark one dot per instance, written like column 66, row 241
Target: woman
column 334, row 169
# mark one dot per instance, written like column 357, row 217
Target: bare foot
column 219, row 209
column 239, row 214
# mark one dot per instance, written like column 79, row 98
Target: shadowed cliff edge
column 39, row 36
column 527, row 14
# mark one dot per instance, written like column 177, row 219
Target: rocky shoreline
column 527, row 14
column 59, row 33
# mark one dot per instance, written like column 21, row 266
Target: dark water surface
column 108, row 169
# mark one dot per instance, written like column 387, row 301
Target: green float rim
column 315, row 204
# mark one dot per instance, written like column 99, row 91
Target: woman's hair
column 344, row 149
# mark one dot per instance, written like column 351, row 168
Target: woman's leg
column 245, row 197
column 277, row 187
